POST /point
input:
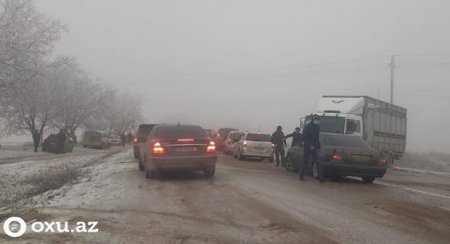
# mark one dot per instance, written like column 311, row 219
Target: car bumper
column 185, row 162
column 251, row 153
column 353, row 170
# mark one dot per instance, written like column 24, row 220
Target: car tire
column 315, row 172
column 289, row 164
column 209, row 172
column 368, row 180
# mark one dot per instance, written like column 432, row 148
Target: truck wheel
column 209, row 172
column 368, row 179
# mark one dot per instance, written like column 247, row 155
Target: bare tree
column 26, row 38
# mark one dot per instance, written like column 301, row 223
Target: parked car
column 140, row 137
column 50, row 144
column 115, row 140
column 221, row 136
column 342, row 155
column 254, row 145
column 96, row 139
column 232, row 138
column 178, row 147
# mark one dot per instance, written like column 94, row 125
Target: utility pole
column 392, row 66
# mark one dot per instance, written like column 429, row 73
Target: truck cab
column 348, row 124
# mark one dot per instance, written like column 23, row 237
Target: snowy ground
column 24, row 173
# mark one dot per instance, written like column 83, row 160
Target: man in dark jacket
column 61, row 141
column 297, row 137
column 279, row 144
column 311, row 147
column 36, row 139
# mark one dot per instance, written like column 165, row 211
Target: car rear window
column 144, row 130
column 169, row 132
column 258, row 137
column 345, row 141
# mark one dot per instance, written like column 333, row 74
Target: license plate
column 186, row 149
column 360, row 158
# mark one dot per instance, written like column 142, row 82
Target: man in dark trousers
column 297, row 137
column 279, row 144
column 61, row 141
column 123, row 138
column 311, row 147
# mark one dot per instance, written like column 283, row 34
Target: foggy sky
column 257, row 64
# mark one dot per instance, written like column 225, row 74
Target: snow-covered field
column 34, row 175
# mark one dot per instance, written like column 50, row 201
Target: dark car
column 50, row 144
column 221, row 136
column 342, row 155
column 178, row 147
column 140, row 137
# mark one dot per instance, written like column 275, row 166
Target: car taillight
column 383, row 161
column 157, row 148
column 244, row 143
column 336, row 157
column 135, row 140
column 211, row 147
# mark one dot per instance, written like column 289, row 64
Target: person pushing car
column 279, row 143
column 311, row 147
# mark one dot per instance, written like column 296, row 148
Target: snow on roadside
column 19, row 181
column 99, row 176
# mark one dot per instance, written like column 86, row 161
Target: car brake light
column 157, row 148
column 211, row 147
column 336, row 157
column 185, row 140
column 135, row 140
column 382, row 161
column 245, row 143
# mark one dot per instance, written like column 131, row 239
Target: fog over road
column 249, row 202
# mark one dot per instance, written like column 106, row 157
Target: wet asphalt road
column 250, row 202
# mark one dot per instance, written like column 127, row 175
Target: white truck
column 382, row 125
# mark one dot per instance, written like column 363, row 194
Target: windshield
column 258, row 137
column 235, row 135
column 332, row 124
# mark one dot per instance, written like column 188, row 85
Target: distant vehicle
column 178, row 147
column 140, row 137
column 221, row 136
column 342, row 155
column 50, row 144
column 382, row 125
column 211, row 133
column 95, row 139
column 115, row 140
column 254, row 145
column 231, row 140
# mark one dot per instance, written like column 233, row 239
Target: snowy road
column 247, row 202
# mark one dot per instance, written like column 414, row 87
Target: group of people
column 126, row 138
column 310, row 141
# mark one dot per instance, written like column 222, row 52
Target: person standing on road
column 297, row 137
column 311, row 147
column 36, row 139
column 279, row 144
column 61, row 141
column 123, row 138
column 130, row 137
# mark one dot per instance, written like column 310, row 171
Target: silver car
column 254, row 145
